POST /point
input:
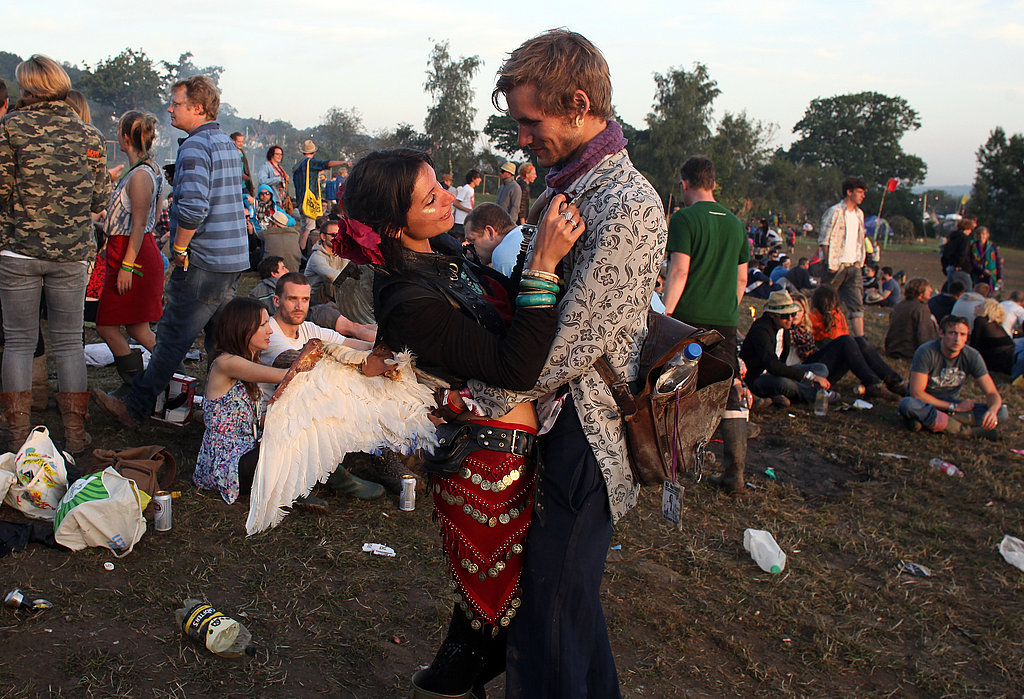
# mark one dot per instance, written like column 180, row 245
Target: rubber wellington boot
column 344, row 483
column 40, row 384
column 128, row 367
column 733, row 432
column 16, row 407
column 74, row 408
column 457, row 663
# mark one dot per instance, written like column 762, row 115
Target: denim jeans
column 558, row 643
column 1018, row 359
column 925, row 412
column 193, row 300
column 22, row 282
column 768, row 385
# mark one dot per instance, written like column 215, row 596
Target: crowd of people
column 498, row 301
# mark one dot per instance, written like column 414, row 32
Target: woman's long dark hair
column 378, row 193
column 824, row 301
column 237, row 322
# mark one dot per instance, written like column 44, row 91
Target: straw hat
column 781, row 302
column 308, row 147
column 510, row 168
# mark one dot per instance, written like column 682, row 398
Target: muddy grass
column 690, row 614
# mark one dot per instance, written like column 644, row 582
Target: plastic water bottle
column 821, row 403
column 221, row 634
column 946, row 467
column 763, row 549
column 680, row 372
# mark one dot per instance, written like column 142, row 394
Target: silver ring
column 567, row 215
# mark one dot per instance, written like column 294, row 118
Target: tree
column 185, row 69
column 859, row 134
column 504, row 134
column 678, row 126
column 404, row 136
column 449, row 122
column 738, row 148
column 124, row 82
column 341, row 135
column 998, row 195
column 801, row 192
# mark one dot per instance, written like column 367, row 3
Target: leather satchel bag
column 152, row 468
column 667, row 432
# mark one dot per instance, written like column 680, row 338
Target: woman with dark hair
column 460, row 321
column 53, row 176
column 233, row 406
column 134, row 279
column 271, row 173
column 986, row 262
column 832, row 337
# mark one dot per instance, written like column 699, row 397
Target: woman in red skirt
column 134, row 280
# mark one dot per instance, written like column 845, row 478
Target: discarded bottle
column 16, row 599
column 763, row 549
column 680, row 372
column 946, row 467
column 221, row 634
column 821, row 403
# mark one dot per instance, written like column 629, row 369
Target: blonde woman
column 133, row 284
column 990, row 339
column 48, row 155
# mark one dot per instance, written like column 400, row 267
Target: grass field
column 690, row 613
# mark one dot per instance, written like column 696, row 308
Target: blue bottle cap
column 693, row 351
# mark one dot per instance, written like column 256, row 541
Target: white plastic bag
column 7, row 477
column 41, row 478
column 101, row 509
column 1012, row 549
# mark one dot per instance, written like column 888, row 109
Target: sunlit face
column 484, row 240
column 264, row 196
column 277, row 157
column 552, row 139
column 260, row 339
column 954, row 339
column 293, row 307
column 798, row 317
column 239, row 142
column 184, row 116
column 431, row 212
column 856, row 195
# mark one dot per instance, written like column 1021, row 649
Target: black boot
column 457, row 664
column 733, row 432
column 128, row 367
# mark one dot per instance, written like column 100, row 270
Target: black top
column 957, row 251
column 758, row 351
column 800, row 278
column 941, row 305
column 995, row 346
column 435, row 309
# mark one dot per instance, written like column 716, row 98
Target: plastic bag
column 1012, row 549
column 41, row 476
column 101, row 509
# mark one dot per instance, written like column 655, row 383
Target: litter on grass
column 379, row 549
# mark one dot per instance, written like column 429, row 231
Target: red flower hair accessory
column 357, row 242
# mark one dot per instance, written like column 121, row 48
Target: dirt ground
column 689, row 612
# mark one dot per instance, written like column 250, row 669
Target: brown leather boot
column 40, row 384
column 74, row 408
column 16, row 407
column 734, row 450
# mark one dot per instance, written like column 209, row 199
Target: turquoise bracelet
column 527, row 300
column 526, row 283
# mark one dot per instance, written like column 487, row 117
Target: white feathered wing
column 326, row 413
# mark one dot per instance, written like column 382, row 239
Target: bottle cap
column 693, row 351
column 776, row 570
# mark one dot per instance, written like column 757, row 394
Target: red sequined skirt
column 484, row 511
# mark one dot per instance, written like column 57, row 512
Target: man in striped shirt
column 208, row 241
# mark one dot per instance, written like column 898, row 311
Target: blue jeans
column 193, row 300
column 1018, row 358
column 925, row 412
column 953, row 274
column 768, row 385
column 22, row 282
column 558, row 643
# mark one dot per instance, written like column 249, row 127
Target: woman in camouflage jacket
column 52, row 177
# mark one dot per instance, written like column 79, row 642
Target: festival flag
column 893, row 184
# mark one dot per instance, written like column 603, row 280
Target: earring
column 579, row 122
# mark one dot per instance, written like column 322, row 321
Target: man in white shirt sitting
column 1014, row 307
column 495, row 238
column 291, row 331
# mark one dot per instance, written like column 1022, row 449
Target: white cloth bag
column 102, row 509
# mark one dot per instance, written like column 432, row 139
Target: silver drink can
column 162, row 511
column 407, row 499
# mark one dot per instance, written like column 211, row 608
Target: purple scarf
column 605, row 143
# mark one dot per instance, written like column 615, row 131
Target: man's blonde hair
column 43, row 77
column 557, row 63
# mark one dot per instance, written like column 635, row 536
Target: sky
column 957, row 63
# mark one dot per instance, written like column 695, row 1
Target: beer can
column 407, row 500
column 162, row 511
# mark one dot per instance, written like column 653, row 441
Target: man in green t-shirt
column 708, row 255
